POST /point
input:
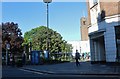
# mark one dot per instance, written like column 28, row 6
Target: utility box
column 35, row 57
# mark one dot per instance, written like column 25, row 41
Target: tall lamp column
column 47, row 42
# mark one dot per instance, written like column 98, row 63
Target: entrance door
column 97, row 46
column 99, row 49
column 102, row 49
column 117, row 33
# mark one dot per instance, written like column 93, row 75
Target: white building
column 104, row 30
column 81, row 46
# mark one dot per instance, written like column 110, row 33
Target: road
column 19, row 73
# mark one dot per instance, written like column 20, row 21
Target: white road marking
column 75, row 74
column 31, row 71
column 37, row 70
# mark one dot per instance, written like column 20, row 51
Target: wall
column 84, row 45
column 88, row 9
column 111, row 8
column 110, row 41
column 94, row 11
column 75, row 45
column 84, row 29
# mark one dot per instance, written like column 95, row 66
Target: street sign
column 8, row 46
column 46, row 54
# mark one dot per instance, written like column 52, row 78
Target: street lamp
column 47, row 42
column 7, row 48
column 47, row 2
column 30, row 49
column 80, row 49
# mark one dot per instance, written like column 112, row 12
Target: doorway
column 117, row 34
column 99, row 49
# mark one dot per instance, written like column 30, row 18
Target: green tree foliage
column 38, row 37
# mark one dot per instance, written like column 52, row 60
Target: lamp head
column 47, row 1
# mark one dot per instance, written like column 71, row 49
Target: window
column 103, row 14
column 84, row 22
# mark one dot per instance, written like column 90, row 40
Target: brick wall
column 84, row 34
column 110, row 8
column 88, row 9
column 84, row 29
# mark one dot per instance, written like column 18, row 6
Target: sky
column 64, row 17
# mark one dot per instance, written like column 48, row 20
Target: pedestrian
column 77, row 58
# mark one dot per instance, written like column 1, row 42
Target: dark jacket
column 77, row 55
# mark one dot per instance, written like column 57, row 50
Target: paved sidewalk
column 71, row 68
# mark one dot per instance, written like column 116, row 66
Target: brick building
column 104, row 30
column 84, row 43
column 84, row 29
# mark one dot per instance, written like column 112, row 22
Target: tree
column 12, row 34
column 38, row 37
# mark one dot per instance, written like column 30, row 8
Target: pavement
column 85, row 68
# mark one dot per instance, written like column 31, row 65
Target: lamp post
column 7, row 48
column 80, row 49
column 30, row 49
column 47, row 42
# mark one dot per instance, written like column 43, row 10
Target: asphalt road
column 18, row 73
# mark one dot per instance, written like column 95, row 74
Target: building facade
column 104, row 30
column 81, row 46
column 84, row 43
column 75, row 45
column 84, row 29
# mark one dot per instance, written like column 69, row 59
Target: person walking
column 77, row 58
